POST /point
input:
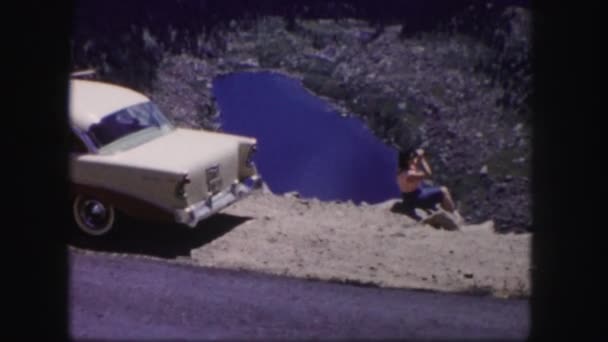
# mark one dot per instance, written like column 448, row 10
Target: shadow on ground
column 159, row 240
column 399, row 208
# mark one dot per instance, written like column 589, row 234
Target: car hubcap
column 94, row 214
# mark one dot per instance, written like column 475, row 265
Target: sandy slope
column 307, row 238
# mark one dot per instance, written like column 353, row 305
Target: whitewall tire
column 93, row 216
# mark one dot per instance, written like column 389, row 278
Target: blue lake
column 304, row 145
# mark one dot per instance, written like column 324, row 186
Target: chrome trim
column 199, row 211
column 85, row 139
column 250, row 154
column 87, row 72
column 180, row 188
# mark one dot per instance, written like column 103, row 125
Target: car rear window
column 125, row 122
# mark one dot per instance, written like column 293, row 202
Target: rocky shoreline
column 432, row 87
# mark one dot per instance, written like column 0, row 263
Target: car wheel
column 93, row 216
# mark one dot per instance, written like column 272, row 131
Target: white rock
column 421, row 213
column 518, row 127
column 266, row 188
column 418, row 49
column 519, row 160
column 292, row 194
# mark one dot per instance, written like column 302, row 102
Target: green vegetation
column 272, row 53
column 463, row 186
column 501, row 164
column 325, row 86
column 317, row 66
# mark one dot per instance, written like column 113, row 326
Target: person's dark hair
column 411, row 153
column 405, row 156
column 406, row 144
column 406, row 139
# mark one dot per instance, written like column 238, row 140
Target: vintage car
column 127, row 158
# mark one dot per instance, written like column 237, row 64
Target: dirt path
column 307, row 238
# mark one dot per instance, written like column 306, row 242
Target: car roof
column 90, row 101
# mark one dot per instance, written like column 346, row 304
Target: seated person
column 413, row 169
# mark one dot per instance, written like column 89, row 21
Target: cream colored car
column 128, row 158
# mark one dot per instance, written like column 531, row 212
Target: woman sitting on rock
column 413, row 170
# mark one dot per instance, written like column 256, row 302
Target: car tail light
column 180, row 188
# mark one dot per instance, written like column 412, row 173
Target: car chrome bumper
column 197, row 212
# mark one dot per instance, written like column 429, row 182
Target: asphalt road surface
column 134, row 298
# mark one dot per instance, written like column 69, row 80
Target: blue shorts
column 425, row 197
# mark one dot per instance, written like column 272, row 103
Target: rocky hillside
column 462, row 92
